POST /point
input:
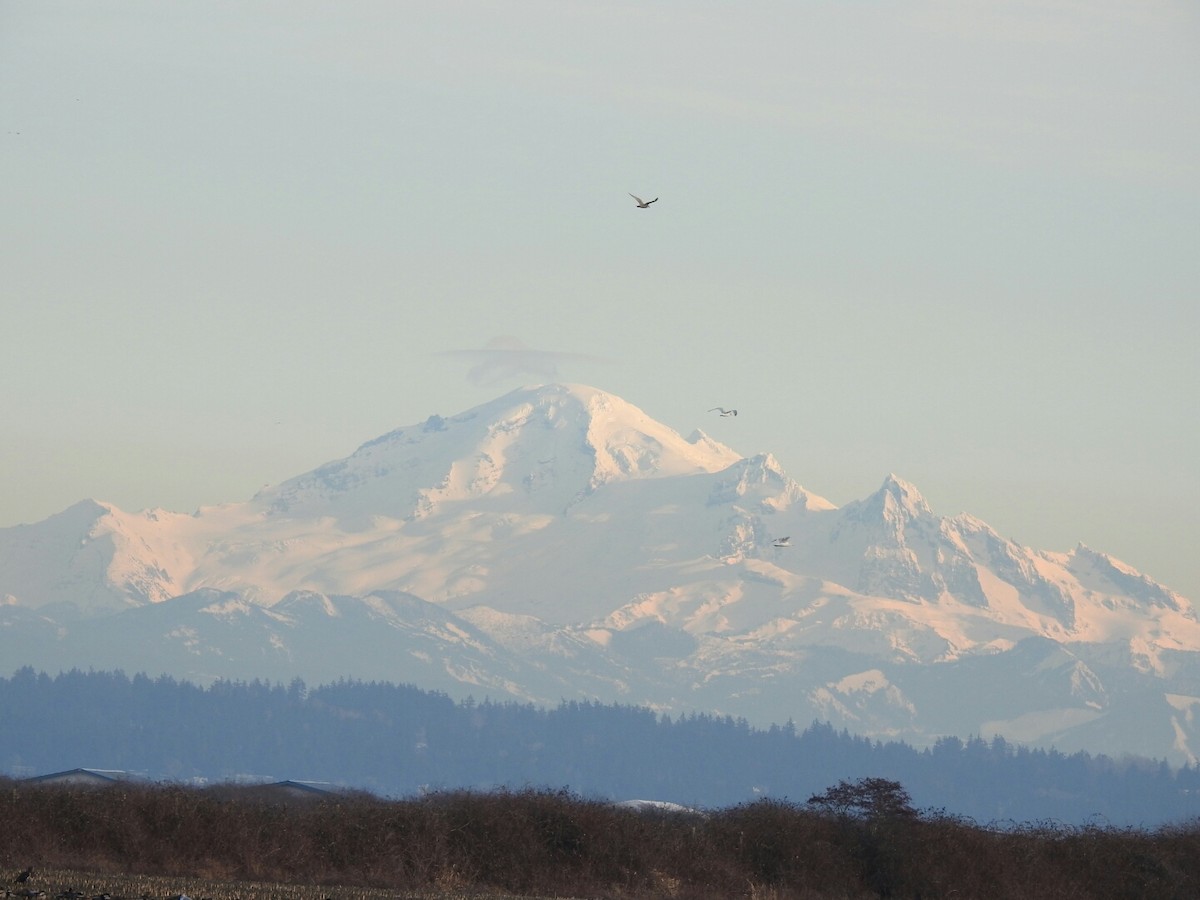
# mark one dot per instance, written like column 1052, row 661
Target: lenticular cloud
column 507, row 357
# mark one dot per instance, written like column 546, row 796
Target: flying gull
column 782, row 542
column 723, row 411
column 643, row 204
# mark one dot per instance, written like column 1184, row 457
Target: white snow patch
column 1039, row 725
column 866, row 682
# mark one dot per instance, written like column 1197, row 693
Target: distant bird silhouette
column 643, row 204
column 723, row 411
column 23, row 876
column 782, row 542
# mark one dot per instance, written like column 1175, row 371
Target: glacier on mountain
column 557, row 542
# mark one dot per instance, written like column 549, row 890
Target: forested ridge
column 398, row 740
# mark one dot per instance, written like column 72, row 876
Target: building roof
column 81, row 776
column 310, row 787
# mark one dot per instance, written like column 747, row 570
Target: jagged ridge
column 571, row 544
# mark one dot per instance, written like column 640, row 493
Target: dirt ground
column 68, row 884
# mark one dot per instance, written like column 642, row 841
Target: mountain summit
column 545, row 447
column 559, row 542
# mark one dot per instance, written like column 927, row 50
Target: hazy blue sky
column 955, row 240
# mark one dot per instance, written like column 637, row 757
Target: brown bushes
column 558, row 844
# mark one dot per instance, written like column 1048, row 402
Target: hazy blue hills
column 397, row 740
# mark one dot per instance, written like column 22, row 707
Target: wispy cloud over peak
column 505, row 357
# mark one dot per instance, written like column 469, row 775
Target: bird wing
column 639, row 199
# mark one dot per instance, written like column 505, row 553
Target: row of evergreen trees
column 398, row 740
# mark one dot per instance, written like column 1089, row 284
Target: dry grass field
column 863, row 840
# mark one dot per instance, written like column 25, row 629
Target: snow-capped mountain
column 558, row 542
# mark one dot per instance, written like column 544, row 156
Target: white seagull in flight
column 643, row 204
column 782, row 542
column 723, row 411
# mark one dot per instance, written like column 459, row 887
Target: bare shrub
column 554, row 843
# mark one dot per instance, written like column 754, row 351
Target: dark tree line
column 397, row 740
